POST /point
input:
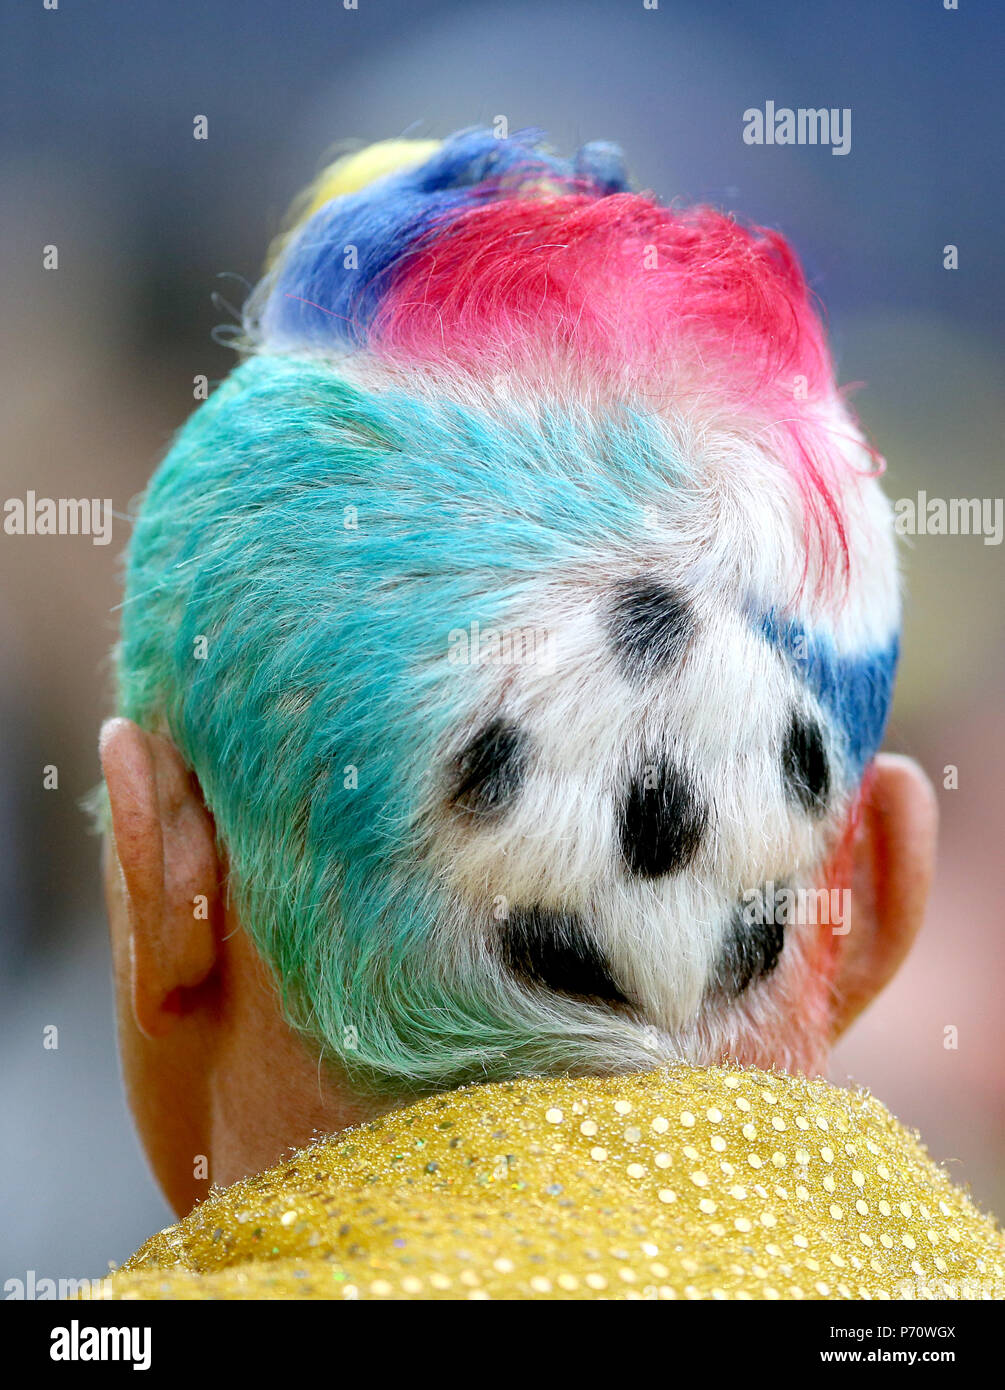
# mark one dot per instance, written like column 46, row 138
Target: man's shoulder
column 683, row 1182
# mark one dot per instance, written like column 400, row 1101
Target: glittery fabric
column 680, row 1183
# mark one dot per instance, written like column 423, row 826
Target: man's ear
column 166, row 849
column 893, row 858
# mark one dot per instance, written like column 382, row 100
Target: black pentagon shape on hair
column 551, row 947
column 751, row 951
column 649, row 625
column 489, row 770
column 804, row 764
column 663, row 820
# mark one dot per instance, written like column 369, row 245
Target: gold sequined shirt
column 679, row 1183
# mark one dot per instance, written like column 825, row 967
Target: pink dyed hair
column 631, row 290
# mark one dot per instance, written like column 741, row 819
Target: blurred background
column 158, row 233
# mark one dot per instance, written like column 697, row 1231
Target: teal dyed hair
column 325, row 541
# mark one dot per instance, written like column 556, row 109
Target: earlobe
column 165, row 846
column 892, row 864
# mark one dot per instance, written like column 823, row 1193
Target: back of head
column 526, row 606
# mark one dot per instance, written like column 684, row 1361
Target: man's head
column 506, row 649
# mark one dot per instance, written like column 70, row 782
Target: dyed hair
column 550, row 610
